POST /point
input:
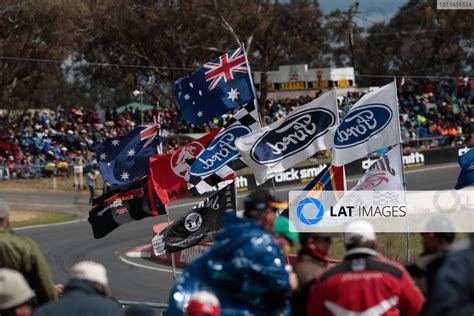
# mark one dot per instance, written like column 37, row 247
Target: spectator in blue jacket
column 453, row 290
column 244, row 268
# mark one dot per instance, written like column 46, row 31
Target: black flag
column 197, row 226
column 123, row 204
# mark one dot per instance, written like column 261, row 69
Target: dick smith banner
column 387, row 211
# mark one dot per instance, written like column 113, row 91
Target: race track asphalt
column 66, row 244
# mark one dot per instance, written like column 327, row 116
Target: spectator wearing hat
column 23, row 255
column 16, row 296
column 311, row 263
column 365, row 282
column 86, row 293
column 283, row 236
column 244, row 268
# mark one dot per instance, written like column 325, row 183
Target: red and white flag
column 167, row 171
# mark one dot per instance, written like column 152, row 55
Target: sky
column 373, row 10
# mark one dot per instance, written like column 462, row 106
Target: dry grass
column 23, row 218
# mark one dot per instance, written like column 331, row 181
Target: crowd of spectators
column 440, row 112
column 44, row 142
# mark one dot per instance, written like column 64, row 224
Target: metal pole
column 258, row 108
column 160, row 151
column 141, row 102
column 401, row 162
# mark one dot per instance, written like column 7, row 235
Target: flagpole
column 338, row 119
column 160, row 151
column 400, row 149
column 256, row 105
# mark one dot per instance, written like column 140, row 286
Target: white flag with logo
column 384, row 174
column 272, row 149
column 373, row 123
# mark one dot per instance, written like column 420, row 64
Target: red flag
column 167, row 171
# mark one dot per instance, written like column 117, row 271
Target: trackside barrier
column 159, row 306
column 303, row 174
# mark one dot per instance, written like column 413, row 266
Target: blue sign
column 219, row 152
column 362, row 123
column 295, row 134
column 313, row 203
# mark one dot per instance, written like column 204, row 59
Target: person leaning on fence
column 16, row 296
column 244, row 268
column 86, row 293
column 365, row 282
column 23, row 255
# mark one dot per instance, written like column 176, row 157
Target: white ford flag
column 384, row 174
column 279, row 146
column 373, row 123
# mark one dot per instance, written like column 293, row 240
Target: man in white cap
column 85, row 294
column 365, row 282
column 16, row 296
column 23, row 255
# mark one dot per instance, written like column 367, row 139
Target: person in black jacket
column 87, row 293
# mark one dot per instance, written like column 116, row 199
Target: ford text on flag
column 370, row 125
column 216, row 162
column 216, row 88
column 124, row 159
column 275, row 148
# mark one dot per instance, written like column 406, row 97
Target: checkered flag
column 247, row 116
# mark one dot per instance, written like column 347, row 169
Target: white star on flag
column 200, row 93
column 191, row 85
column 233, row 94
column 199, row 114
column 103, row 156
column 131, row 153
column 115, row 142
column 124, row 175
column 187, row 97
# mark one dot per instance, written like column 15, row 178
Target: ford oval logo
column 362, row 123
column 219, row 152
column 292, row 136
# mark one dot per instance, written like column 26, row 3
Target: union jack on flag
column 124, row 159
column 225, row 67
column 215, row 88
column 150, row 131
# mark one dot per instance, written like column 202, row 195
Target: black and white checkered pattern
column 247, row 116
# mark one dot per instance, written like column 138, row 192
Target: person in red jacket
column 365, row 282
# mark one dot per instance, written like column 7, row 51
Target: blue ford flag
column 371, row 124
column 281, row 145
column 216, row 88
column 466, row 177
column 125, row 158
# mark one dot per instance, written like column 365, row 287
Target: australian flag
column 216, row 88
column 466, row 177
column 124, row 159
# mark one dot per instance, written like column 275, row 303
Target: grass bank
column 23, row 218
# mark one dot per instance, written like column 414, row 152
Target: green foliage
column 72, row 38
